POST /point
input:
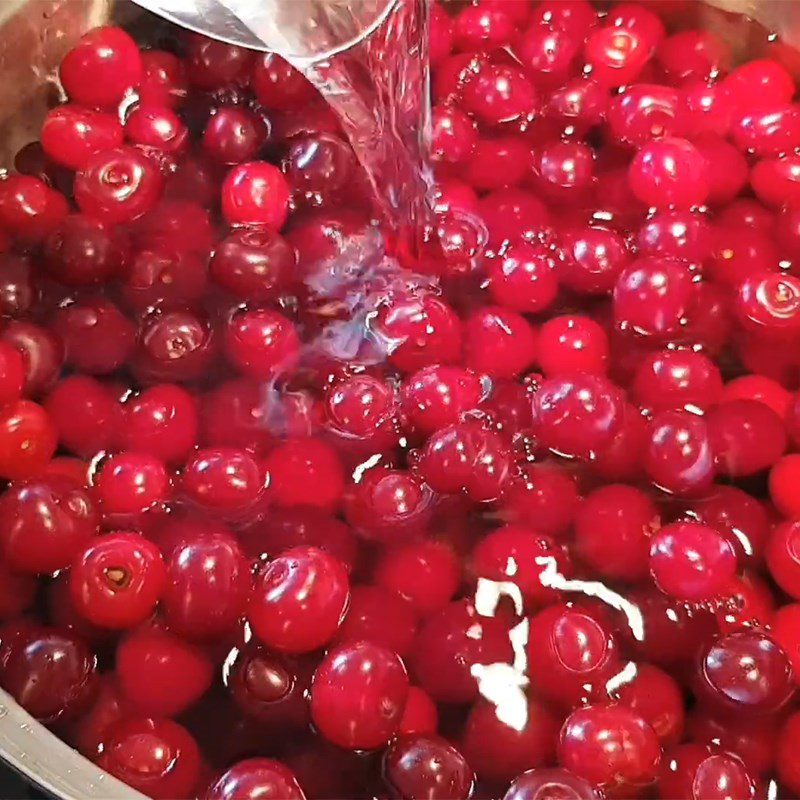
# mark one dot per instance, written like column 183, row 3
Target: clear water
column 379, row 89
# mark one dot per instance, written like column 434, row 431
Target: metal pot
column 34, row 37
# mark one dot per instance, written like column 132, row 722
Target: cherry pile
column 294, row 509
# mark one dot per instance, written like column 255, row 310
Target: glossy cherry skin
column 164, row 79
column 233, row 135
column 499, row 752
column 208, row 581
column 678, row 456
column 420, row 332
column 613, row 526
column 130, row 483
column 256, row 779
column 691, row 562
column 426, row 768
column 223, row 480
column 161, row 674
column 519, row 555
column 610, row 746
column 577, row 414
column 46, row 523
column 450, row 646
column 740, row 518
column 29, row 208
column 100, row 69
column 694, row 771
column 300, row 462
column 744, row 672
column 118, row 185
column 71, row 133
column 572, row 344
column 523, row 279
column 86, row 414
column 261, row 343
column 541, row 496
column 271, row 688
column 570, row 654
column 358, row 695
column 161, row 421
column 465, row 457
column 381, row 616
column 652, row 295
column 50, row 673
column 255, row 193
column 439, row 395
column 543, row 784
column 299, row 600
column 156, row 757
column 498, row 342
column 253, row 264
column 97, row 337
column 674, row 379
column 425, row 573
column 658, row 699
column 117, row 580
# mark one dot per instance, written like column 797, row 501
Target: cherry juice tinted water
column 322, row 484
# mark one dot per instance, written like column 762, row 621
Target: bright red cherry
column 523, row 279
column 256, row 778
column 299, row 600
column 453, row 648
column 613, row 526
column 223, row 479
column 162, row 421
column 156, row 757
column 466, row 457
column 571, row 654
column 691, row 562
column 261, row 343
column 499, row 751
column 498, row 342
column 747, row 437
column 117, row 580
column 255, row 193
column 658, row 699
column 745, row 672
column 577, row 414
column 698, row 771
column 419, row 331
column 652, row 295
column 519, row 555
column 161, row 674
column 131, row 482
column 46, row 524
column 72, row 133
column 86, row 414
column 678, row 454
column 425, row 573
column 29, row 209
column 610, row 746
column 572, row 344
column 207, row 584
column 101, row 68
column 390, row 506
column 28, row 440
column 358, row 695
column 118, row 185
